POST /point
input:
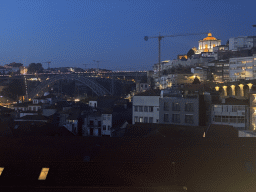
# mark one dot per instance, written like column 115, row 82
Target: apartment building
column 231, row 111
column 181, row 109
column 242, row 68
column 245, row 42
column 221, row 72
column 146, row 107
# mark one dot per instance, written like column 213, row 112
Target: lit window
column 43, row 174
column 1, row 170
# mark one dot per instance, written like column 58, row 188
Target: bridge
column 239, row 89
column 87, row 81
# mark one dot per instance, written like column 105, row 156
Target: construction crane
column 98, row 64
column 160, row 37
column 49, row 62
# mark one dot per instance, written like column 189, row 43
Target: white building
column 242, row 68
column 146, row 107
column 232, row 112
column 106, row 124
column 245, row 42
column 207, row 44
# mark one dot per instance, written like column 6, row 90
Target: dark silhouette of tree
column 173, row 69
column 190, row 53
column 35, row 68
column 196, row 81
column 15, row 89
column 165, row 72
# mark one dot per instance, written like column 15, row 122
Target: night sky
column 76, row 32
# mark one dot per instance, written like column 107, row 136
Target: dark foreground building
column 164, row 158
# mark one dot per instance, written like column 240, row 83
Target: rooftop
column 231, row 101
column 151, row 92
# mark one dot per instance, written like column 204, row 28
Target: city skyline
column 73, row 33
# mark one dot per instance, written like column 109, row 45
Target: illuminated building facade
column 207, row 44
column 242, row 68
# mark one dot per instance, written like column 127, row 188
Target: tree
column 165, row 72
column 15, row 89
column 173, row 70
column 35, row 68
column 196, row 81
column 190, row 53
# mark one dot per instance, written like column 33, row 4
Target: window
column 146, row 86
column 175, row 106
column 99, row 123
column 145, row 119
column 240, row 119
column 157, row 120
column 34, row 108
column 91, row 122
column 166, row 117
column 150, row 108
column 225, row 108
column 141, row 119
column 145, row 108
column 43, row 174
column 104, row 117
column 140, row 108
column 189, row 107
column 234, row 108
column 225, row 119
column 135, row 108
column 150, row 119
column 176, row 118
column 108, row 127
column 189, row 119
column 136, row 119
column 166, row 106
column 217, row 118
column 104, row 127
column 226, row 65
column 232, row 119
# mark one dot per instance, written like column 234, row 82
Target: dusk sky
column 76, row 32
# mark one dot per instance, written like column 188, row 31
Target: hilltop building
column 207, row 44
